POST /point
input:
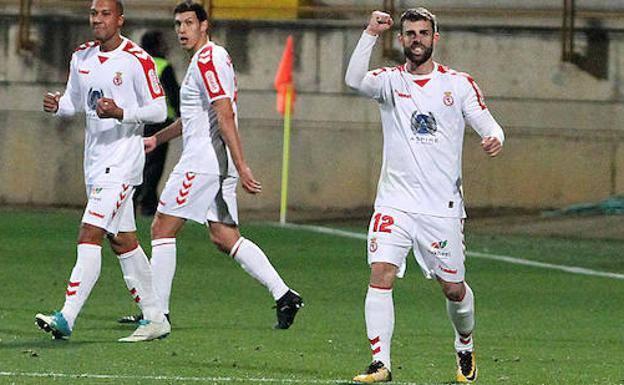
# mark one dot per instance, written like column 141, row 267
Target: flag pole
column 285, row 156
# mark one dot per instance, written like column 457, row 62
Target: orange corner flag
column 284, row 77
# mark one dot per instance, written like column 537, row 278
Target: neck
column 422, row 69
column 200, row 43
column 111, row 43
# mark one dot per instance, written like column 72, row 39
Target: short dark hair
column 120, row 6
column 420, row 13
column 191, row 6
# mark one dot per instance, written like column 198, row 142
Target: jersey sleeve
column 368, row 83
column 477, row 114
column 72, row 100
column 216, row 72
column 152, row 105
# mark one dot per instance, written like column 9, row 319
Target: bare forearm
column 229, row 133
column 170, row 132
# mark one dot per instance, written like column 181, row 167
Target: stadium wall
column 564, row 127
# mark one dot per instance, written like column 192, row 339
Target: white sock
column 461, row 315
column 138, row 276
column 255, row 263
column 379, row 314
column 83, row 277
column 163, row 268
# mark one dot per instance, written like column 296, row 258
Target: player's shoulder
column 132, row 49
column 383, row 71
column 211, row 51
column 86, row 48
column 460, row 77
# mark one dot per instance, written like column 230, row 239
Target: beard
column 426, row 55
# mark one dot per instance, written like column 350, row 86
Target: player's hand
column 107, row 108
column 378, row 23
column 249, row 183
column 491, row 145
column 149, row 144
column 51, row 102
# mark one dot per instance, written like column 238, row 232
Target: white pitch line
column 476, row 254
column 264, row 380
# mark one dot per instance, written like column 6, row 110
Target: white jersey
column 423, row 120
column 114, row 149
column 209, row 77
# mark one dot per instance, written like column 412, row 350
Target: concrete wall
column 564, row 127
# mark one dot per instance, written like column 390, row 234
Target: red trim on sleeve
column 476, row 89
column 86, row 45
column 149, row 69
column 209, row 73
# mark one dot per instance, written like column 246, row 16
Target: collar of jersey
column 124, row 41
column 422, row 77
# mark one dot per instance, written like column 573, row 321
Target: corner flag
column 285, row 101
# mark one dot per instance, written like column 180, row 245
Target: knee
column 383, row 275
column 454, row 291
column 123, row 242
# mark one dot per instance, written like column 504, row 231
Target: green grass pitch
column 534, row 326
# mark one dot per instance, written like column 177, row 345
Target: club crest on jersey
column 448, row 99
column 117, row 80
column 93, row 97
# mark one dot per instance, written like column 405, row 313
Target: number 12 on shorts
column 382, row 223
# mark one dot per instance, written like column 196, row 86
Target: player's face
column 191, row 32
column 418, row 40
column 105, row 19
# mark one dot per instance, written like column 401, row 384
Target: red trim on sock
column 374, row 341
column 377, row 350
column 129, row 251
column 73, row 284
column 70, row 293
column 465, row 341
column 380, row 287
column 163, row 244
column 133, row 291
column 137, row 299
column 89, row 243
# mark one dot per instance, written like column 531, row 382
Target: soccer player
column 424, row 106
column 114, row 82
column 202, row 186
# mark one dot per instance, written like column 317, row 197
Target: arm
column 229, row 133
column 71, row 101
column 480, row 119
column 356, row 75
column 168, row 133
column 153, row 112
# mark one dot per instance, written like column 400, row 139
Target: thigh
column 439, row 247
column 389, row 238
column 189, row 195
column 224, row 208
column 110, row 207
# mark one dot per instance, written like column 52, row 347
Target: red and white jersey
column 209, row 77
column 423, row 120
column 114, row 149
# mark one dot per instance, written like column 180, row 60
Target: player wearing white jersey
column 202, row 187
column 113, row 81
column 424, row 107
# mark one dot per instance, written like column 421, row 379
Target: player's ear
column 120, row 21
column 436, row 37
column 203, row 26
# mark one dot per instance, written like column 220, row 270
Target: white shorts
column 110, row 208
column 437, row 243
column 200, row 197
